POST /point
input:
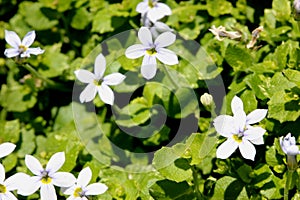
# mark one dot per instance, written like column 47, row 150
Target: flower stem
column 287, row 184
column 196, row 183
column 170, row 77
column 48, row 82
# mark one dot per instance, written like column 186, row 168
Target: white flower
column 98, row 83
column 254, row 36
column 238, row 130
column 81, row 190
column 152, row 50
column 288, row 145
column 153, row 9
column 6, row 148
column 21, row 48
column 220, row 33
column 10, row 184
column 45, row 179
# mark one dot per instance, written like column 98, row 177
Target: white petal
column 165, row 39
column 142, row 7
column 145, row 36
column 236, row 105
column 2, row 173
column 74, row 198
column 16, row 181
column 292, row 150
column 106, row 94
column 226, row 148
column 135, row 51
column 10, row 196
column 167, row 56
column 11, row 52
column 33, row 165
column 223, row 125
column 69, row 190
column 63, row 179
column 113, row 79
column 31, row 186
column 162, row 27
column 89, row 93
column 247, row 149
column 12, row 39
column 6, row 148
column 254, row 133
column 25, row 54
column 99, row 66
column 55, row 163
column 28, row 39
column 149, row 67
column 85, row 76
column 95, row 189
column 84, row 177
column 258, row 141
column 48, row 192
column 35, row 51
column 158, row 12
column 256, row 116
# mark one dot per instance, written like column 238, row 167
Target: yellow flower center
column 22, row 48
column 77, row 192
column 237, row 138
column 97, row 82
column 151, row 51
column 46, row 179
column 151, row 3
column 2, row 188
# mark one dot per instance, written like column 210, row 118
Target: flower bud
column 206, row 99
column 297, row 10
column 289, row 147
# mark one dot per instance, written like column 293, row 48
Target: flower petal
column 158, row 12
column 167, row 56
column 99, row 66
column 292, row 150
column 2, row 173
column 84, row 177
column 145, row 36
column 12, row 39
column 142, row 7
column 236, row 105
column 6, row 148
column 106, row 94
column 11, row 52
column 256, row 116
column 16, row 181
column 165, row 39
column 85, row 76
column 223, row 125
column 89, row 93
column 28, row 39
column 69, row 190
column 113, row 79
column 149, row 67
column 95, row 189
column 33, row 165
column 63, row 179
column 35, row 51
column 162, row 27
column 55, row 163
column 9, row 196
column 226, row 148
column 254, row 133
column 247, row 149
column 258, row 141
column 135, row 51
column 48, row 192
column 31, row 186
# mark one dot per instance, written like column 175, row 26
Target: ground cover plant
column 132, row 99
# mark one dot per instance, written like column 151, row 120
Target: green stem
column 49, row 83
column 196, row 183
column 170, row 77
column 287, row 184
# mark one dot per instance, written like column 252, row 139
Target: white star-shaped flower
column 21, row 48
column 10, row 184
column 238, row 130
column 47, row 178
column 98, row 83
column 153, row 9
column 6, row 148
column 81, row 190
column 152, row 50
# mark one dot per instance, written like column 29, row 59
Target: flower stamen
column 22, row 48
column 2, row 188
column 151, row 52
column 46, row 179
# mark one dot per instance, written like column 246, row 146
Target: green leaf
column 238, row 58
column 249, row 99
column 28, row 143
column 292, row 76
column 81, row 19
column 218, row 7
column 11, row 132
column 282, row 9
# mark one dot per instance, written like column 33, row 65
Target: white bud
column 206, row 99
